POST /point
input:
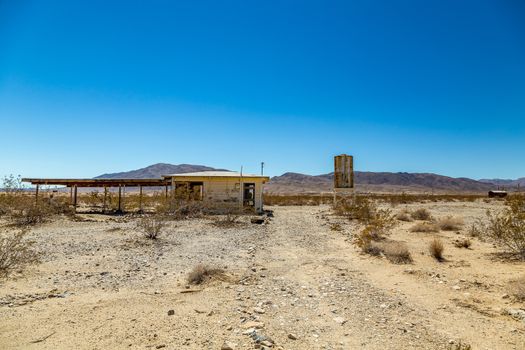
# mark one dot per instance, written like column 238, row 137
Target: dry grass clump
column 425, row 227
column 335, row 226
column 202, row 273
column 421, row 214
column 16, row 252
column 227, row 221
column 152, row 226
column 463, row 243
column 517, row 289
column 460, row 346
column 508, row 227
column 180, row 209
column 436, row 249
column 397, row 252
column 450, row 223
column 404, row 215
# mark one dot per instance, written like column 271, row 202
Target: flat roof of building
column 216, row 174
column 97, row 182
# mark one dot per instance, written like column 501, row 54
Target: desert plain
column 295, row 281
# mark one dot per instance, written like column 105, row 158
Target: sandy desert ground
column 292, row 283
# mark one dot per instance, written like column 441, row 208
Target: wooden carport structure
column 74, row 184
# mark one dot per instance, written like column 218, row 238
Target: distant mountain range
column 364, row 181
column 506, row 182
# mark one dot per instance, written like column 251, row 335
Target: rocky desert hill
column 156, row 171
column 378, row 182
column 365, row 181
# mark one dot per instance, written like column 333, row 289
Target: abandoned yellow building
column 226, row 187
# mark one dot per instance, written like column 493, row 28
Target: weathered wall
column 229, row 191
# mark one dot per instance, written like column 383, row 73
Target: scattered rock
column 292, row 336
column 518, row 314
column 258, row 310
column 171, row 312
column 254, row 324
column 340, row 320
column 227, row 346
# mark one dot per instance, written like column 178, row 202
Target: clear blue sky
column 88, row 87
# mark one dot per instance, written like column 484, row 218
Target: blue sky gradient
column 89, row 87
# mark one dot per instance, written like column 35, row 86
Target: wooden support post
column 140, row 198
column 36, row 193
column 166, row 191
column 105, row 199
column 71, row 195
column 75, row 197
column 119, row 198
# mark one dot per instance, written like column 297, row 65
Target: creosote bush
column 450, row 223
column 152, row 226
column 16, row 252
column 378, row 222
column 508, row 227
column 202, row 273
column 436, row 249
column 425, row 227
column 421, row 214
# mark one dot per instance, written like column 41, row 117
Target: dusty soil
column 294, row 282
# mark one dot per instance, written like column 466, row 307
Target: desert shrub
column 179, row 209
column 463, row 243
column 421, row 214
column 16, row 252
column 424, row 227
column 225, row 221
column 477, row 229
column 371, row 248
column 152, row 226
column 365, row 211
column 404, row 215
column 436, row 249
column 397, row 252
column 356, row 208
column 517, row 288
column 202, row 273
column 366, row 236
column 296, row 199
column 450, row 223
column 508, row 227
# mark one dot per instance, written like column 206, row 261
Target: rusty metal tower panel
column 343, row 171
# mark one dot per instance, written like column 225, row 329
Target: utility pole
column 262, row 168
